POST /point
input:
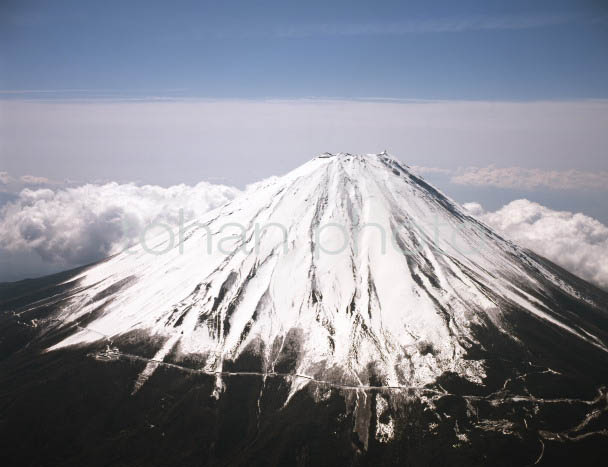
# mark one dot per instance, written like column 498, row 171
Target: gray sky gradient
column 240, row 141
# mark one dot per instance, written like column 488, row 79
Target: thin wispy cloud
column 430, row 170
column 522, row 178
column 421, row 26
column 5, row 178
column 42, row 91
column 11, row 183
column 532, row 179
column 36, row 180
column 451, row 24
column 92, row 94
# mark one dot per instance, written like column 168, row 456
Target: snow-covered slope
column 352, row 265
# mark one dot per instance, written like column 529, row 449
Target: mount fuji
column 347, row 313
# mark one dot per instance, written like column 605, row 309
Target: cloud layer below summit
column 71, row 226
column 575, row 241
column 54, row 228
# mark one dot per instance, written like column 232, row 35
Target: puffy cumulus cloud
column 530, row 179
column 475, row 209
column 77, row 225
column 575, row 241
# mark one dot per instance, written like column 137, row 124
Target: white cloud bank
column 71, row 226
column 74, row 226
column 575, row 241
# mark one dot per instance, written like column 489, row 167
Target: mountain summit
column 350, row 278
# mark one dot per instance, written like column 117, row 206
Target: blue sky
column 243, row 49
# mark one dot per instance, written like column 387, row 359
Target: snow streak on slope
column 349, row 269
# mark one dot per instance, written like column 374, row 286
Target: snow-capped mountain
column 353, row 276
column 353, row 256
